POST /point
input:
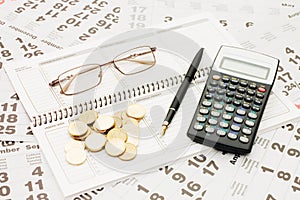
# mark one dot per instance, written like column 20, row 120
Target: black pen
column 182, row 90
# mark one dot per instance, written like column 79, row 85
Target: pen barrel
column 177, row 99
column 170, row 115
column 191, row 73
column 194, row 66
column 180, row 93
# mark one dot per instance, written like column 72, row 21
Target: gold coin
column 118, row 121
column 103, row 123
column 83, row 137
column 95, row 142
column 127, row 120
column 115, row 147
column 133, row 133
column 88, row 117
column 136, row 111
column 130, row 152
column 77, row 128
column 117, row 133
column 72, row 144
column 76, row 156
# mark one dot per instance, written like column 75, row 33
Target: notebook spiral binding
column 74, row 110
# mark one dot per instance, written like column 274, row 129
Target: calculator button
column 212, row 121
column 244, row 139
column 227, row 117
column 238, row 120
column 229, row 109
column 198, row 127
column 243, row 83
column 249, row 123
column 246, row 131
column 206, row 103
column 241, row 90
column 250, row 92
column 235, row 128
column 201, row 119
column 224, row 124
column 221, row 132
column 232, row 136
column 234, row 81
column 236, row 103
column 231, row 87
column 262, row 89
column 209, row 129
column 257, row 102
column 218, row 106
column 228, row 100
column 211, row 89
column 208, row 96
column 214, row 83
column 218, row 98
column 215, row 113
column 225, row 79
column 246, row 105
column 252, row 86
column 252, row 115
column 241, row 112
column 222, row 85
column 239, row 96
column 204, row 111
column 216, row 77
column 230, row 94
column 255, row 108
column 221, row 91
column 248, row 99
column 260, row 95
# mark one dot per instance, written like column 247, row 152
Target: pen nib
column 163, row 130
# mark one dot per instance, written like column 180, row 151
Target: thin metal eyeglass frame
column 72, row 77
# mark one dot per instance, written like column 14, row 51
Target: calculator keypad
column 229, row 111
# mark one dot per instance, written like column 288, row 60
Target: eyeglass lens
column 80, row 79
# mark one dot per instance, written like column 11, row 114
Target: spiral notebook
column 51, row 111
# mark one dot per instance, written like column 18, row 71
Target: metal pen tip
column 163, row 130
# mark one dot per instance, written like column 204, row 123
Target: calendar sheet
column 242, row 19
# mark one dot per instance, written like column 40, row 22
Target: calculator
column 233, row 100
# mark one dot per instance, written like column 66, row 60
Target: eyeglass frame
column 57, row 82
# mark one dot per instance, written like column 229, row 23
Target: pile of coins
column 118, row 134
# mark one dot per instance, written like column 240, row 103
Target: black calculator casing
column 229, row 96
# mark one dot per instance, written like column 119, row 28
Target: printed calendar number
column 4, row 189
column 41, row 196
column 38, row 171
column 7, row 129
column 10, row 118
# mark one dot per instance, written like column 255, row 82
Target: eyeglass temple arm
column 136, row 55
column 54, row 82
column 141, row 61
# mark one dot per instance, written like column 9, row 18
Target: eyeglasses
column 86, row 77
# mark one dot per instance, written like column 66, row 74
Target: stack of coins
column 79, row 130
column 118, row 134
column 75, row 153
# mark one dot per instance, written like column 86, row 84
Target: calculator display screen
column 246, row 68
